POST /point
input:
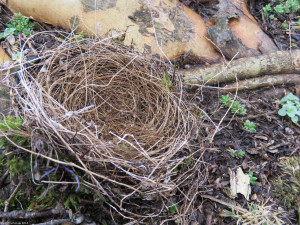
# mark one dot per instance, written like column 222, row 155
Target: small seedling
column 284, row 26
column 236, row 153
column 284, row 7
column 252, row 178
column 173, row 208
column 236, row 107
column 249, row 125
column 17, row 25
column 226, row 100
column 167, row 82
column 290, row 107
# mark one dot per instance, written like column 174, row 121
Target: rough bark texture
column 281, row 62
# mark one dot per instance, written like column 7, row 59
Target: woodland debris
column 264, row 81
column 280, row 62
column 21, row 214
column 239, row 183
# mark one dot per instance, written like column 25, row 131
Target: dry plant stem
column 53, row 222
column 239, row 209
column 21, row 214
column 7, row 202
column 280, row 62
column 264, row 81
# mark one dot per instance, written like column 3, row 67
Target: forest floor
column 269, row 154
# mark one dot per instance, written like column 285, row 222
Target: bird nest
column 118, row 113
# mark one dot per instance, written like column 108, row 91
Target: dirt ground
column 275, row 138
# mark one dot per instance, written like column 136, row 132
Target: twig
column 52, row 222
column 241, row 210
column 7, row 202
column 22, row 214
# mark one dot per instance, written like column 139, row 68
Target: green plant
column 226, row 100
column 284, row 7
column 286, row 185
column 235, row 106
column 173, row 208
column 252, row 178
column 12, row 127
column 72, row 201
column 290, row 107
column 236, row 153
column 284, row 26
column 249, row 125
column 17, row 25
column 167, row 82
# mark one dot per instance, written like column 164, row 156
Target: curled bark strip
column 280, row 62
column 264, row 81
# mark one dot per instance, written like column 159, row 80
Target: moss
column 287, row 186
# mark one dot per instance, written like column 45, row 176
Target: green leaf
column 226, row 100
column 284, row 26
column 267, row 8
column 295, row 119
column 282, row 112
column 173, row 208
column 167, row 82
column 279, row 9
column 2, row 143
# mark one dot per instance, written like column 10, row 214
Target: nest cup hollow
column 109, row 107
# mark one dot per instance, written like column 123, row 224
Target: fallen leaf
column 239, row 183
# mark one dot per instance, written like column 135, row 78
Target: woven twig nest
column 112, row 109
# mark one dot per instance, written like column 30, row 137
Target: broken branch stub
column 280, row 62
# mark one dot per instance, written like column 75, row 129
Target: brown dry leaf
column 239, row 183
column 3, row 56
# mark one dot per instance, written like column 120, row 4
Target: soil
column 279, row 135
column 275, row 136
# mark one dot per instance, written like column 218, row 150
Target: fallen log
column 280, row 62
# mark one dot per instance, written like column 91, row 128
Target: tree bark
column 4, row 91
column 280, row 62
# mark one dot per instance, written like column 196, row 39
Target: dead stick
column 264, row 81
column 280, row 62
column 52, row 222
column 241, row 210
column 22, row 214
column 7, row 202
